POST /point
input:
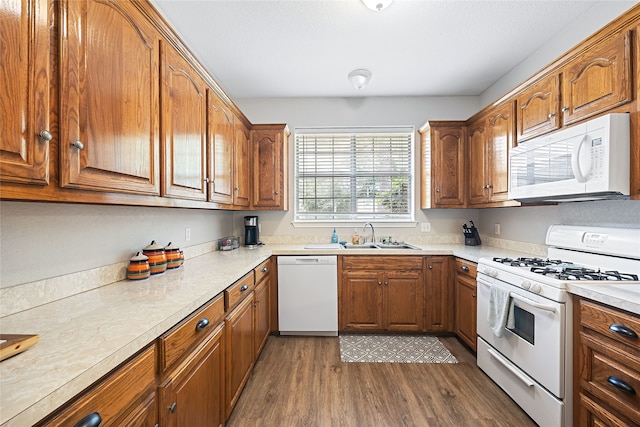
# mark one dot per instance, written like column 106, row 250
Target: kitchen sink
column 382, row 246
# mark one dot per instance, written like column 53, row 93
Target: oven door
column 537, row 342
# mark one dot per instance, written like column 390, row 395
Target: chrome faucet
column 373, row 232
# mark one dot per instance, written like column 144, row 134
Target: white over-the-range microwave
column 588, row 161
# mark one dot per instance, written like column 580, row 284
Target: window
column 354, row 174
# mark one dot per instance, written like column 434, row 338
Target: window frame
column 405, row 131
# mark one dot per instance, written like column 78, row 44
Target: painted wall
column 43, row 240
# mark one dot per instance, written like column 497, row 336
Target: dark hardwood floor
column 299, row 381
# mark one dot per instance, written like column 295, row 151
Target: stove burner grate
column 528, row 262
column 581, row 273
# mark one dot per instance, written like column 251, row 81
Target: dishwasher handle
column 308, row 260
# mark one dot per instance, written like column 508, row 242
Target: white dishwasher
column 308, row 295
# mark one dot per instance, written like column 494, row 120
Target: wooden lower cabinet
column 382, row 300
column 262, row 314
column 466, row 302
column 193, row 394
column 125, row 397
column 606, row 365
column 438, row 296
column 240, row 354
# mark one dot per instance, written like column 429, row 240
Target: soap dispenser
column 356, row 237
column 334, row 236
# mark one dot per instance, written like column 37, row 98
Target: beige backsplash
column 28, row 295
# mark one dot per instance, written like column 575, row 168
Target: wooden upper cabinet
column 184, row 127
column 598, row 80
column 242, row 166
column 269, row 144
column 477, row 162
column 443, row 177
column 24, row 85
column 538, row 108
column 109, row 118
column 220, row 150
column 500, row 139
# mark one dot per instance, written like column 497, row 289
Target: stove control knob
column 536, row 288
column 526, row 284
column 490, row 272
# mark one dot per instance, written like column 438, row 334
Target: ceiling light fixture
column 359, row 78
column 377, row 5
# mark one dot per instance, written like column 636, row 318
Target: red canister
column 138, row 268
column 157, row 258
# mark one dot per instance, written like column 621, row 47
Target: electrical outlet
column 496, row 229
column 187, row 234
column 425, row 227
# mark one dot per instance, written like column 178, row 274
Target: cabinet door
column 24, row 85
column 240, row 352
column 438, row 298
column 361, row 300
column 538, row 108
column 262, row 314
column 267, row 168
column 242, row 174
column 145, row 415
column 194, row 393
column 477, row 163
column 109, row 118
column 448, row 166
column 220, row 150
column 598, row 80
column 184, row 127
column 403, row 301
column 500, row 141
column 465, row 307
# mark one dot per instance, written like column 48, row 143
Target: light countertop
column 85, row 336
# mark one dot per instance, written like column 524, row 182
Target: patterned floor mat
column 394, row 349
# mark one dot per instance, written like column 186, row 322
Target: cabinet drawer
column 467, row 268
column 611, row 374
column 606, row 320
column 116, row 396
column 262, row 270
column 183, row 336
column 236, row 292
column 383, row 262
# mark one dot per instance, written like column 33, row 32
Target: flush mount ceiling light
column 377, row 5
column 359, row 78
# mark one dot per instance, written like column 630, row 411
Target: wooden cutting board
column 11, row 344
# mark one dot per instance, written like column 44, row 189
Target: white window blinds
column 354, row 174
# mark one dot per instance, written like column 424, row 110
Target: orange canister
column 157, row 258
column 173, row 256
column 138, row 268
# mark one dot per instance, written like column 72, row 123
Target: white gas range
column 530, row 356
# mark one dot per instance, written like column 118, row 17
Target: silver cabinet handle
column 243, row 288
column 265, row 269
column 551, row 115
column 45, row 135
column 565, row 109
column 464, row 268
column 206, row 180
column 437, row 190
column 78, row 144
column 431, row 267
column 202, row 323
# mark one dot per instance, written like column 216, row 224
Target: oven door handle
column 532, row 303
column 499, row 358
column 525, row 300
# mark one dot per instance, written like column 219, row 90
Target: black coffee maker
column 251, row 234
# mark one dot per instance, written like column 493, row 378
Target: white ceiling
column 306, row 48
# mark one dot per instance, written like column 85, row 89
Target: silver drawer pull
column 243, row 288
column 202, row 323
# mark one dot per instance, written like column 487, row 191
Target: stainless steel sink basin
column 379, row 246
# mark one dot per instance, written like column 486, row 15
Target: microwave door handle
column 533, row 303
column 575, row 160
